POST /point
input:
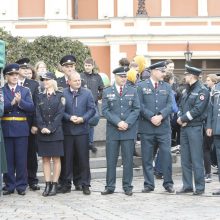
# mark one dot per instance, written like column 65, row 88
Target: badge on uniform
column 201, row 97
column 63, row 100
column 130, row 102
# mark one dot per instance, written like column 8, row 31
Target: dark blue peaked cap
column 47, row 75
column 122, row 70
column 11, row 68
column 23, row 62
column 68, row 59
column 192, row 70
column 161, row 64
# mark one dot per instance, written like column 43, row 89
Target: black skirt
column 50, row 148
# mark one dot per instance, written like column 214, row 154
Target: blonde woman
column 49, row 113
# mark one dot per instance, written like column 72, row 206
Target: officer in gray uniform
column 154, row 125
column 213, row 122
column 120, row 106
column 191, row 117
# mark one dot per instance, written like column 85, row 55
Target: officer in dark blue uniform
column 32, row 164
column 191, row 117
column 18, row 104
column 154, row 125
column 121, row 107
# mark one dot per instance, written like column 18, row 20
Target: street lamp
column 141, row 8
column 188, row 54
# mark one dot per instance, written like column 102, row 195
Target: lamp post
column 141, row 8
column 188, row 54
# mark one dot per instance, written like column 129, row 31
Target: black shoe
column 86, row 190
column 7, row 192
column 147, row 190
column 158, row 176
column 21, row 192
column 129, row 192
column 92, row 148
column 170, row 189
column 47, row 189
column 53, row 190
column 106, row 192
column 217, row 193
column 64, row 189
column 198, row 192
column 78, row 188
column 182, row 191
column 34, row 187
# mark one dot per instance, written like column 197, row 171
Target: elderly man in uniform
column 154, row 126
column 32, row 163
column 18, row 104
column 120, row 106
column 191, row 117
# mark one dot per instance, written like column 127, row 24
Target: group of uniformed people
column 58, row 123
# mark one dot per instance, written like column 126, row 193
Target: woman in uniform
column 49, row 113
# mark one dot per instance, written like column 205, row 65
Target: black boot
column 47, row 189
column 53, row 190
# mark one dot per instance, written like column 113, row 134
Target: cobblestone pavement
column 155, row 205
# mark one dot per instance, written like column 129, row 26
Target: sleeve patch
column 201, row 97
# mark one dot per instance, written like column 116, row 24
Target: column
column 114, row 58
column 202, row 8
column 105, row 9
column 165, row 7
column 125, row 8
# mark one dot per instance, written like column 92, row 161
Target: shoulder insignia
column 63, row 100
column 202, row 97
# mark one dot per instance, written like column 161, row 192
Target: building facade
column 112, row 30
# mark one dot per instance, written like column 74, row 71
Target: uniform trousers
column 32, row 164
column 16, row 153
column 112, row 152
column 163, row 141
column 76, row 146
column 216, row 140
column 191, row 140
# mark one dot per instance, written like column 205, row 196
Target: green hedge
column 50, row 49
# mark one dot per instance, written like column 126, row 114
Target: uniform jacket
column 61, row 82
column 154, row 102
column 213, row 119
column 194, row 104
column 82, row 105
column 49, row 114
column 116, row 108
column 94, row 83
column 34, row 88
column 26, row 106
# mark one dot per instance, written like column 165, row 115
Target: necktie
column 121, row 90
column 13, row 91
column 155, row 85
column 21, row 83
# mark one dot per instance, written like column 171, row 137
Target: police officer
column 68, row 65
column 80, row 107
column 17, row 104
column 49, row 114
column 191, row 116
column 32, row 163
column 154, row 125
column 120, row 106
column 213, row 122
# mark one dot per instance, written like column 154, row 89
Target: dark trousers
column 16, row 153
column 191, row 141
column 148, row 142
column 76, row 146
column 112, row 152
column 32, row 164
column 207, row 146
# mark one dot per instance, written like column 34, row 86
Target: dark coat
column 116, row 108
column 49, row 114
column 82, row 105
column 26, row 106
